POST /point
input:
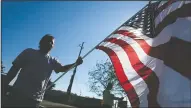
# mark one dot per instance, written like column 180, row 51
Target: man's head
column 46, row 43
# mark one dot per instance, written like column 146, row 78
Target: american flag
column 151, row 54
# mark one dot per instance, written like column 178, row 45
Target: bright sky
column 71, row 22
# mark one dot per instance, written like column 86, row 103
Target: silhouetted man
column 108, row 97
column 35, row 68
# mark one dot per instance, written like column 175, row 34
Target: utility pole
column 74, row 72
column 2, row 67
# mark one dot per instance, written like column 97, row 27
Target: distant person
column 108, row 98
column 35, row 68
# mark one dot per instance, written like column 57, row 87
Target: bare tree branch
column 101, row 75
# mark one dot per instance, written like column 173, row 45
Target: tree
column 101, row 76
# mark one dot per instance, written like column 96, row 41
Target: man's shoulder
column 29, row 50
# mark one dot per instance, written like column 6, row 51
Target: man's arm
column 66, row 67
column 11, row 74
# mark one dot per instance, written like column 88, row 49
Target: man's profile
column 35, row 68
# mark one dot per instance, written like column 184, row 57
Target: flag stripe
column 178, row 56
column 124, row 82
column 178, row 61
column 146, row 73
column 173, row 7
column 172, row 17
column 161, row 3
column 164, row 6
column 136, row 81
column 143, row 57
column 148, row 57
column 133, row 58
column 181, row 29
column 141, row 54
column 165, row 81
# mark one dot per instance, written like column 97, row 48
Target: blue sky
column 71, row 22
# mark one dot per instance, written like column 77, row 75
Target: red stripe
column 125, row 33
column 175, row 53
column 141, row 70
column 124, row 82
column 135, row 62
column 146, row 47
column 177, row 56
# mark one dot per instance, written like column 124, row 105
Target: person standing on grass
column 35, row 68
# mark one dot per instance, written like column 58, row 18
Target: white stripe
column 174, row 6
column 187, row 2
column 180, row 29
column 137, row 82
column 175, row 89
column 170, row 85
column 162, row 3
column 151, row 62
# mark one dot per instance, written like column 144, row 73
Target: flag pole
column 94, row 48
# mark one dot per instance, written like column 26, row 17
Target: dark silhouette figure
column 35, row 68
column 108, row 97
